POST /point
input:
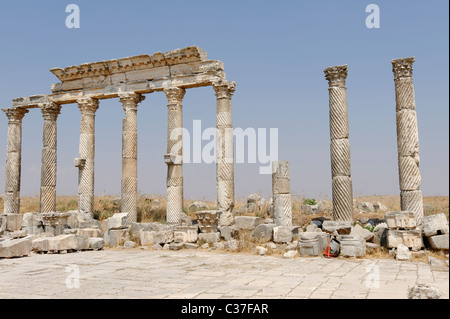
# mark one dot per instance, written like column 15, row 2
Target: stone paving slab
column 210, row 275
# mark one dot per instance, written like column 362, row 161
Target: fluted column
column 340, row 146
column 13, row 160
column 174, row 156
column 407, row 138
column 224, row 150
column 50, row 112
column 85, row 161
column 129, row 188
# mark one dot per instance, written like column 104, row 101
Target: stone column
column 13, row 160
column 129, row 188
column 85, row 162
column 174, row 156
column 407, row 138
column 281, row 190
column 340, row 147
column 50, row 112
column 224, row 151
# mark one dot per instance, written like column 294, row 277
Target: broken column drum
column 281, row 190
column 342, row 190
column 407, row 138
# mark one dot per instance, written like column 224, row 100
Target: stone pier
column 407, row 138
column 342, row 190
column 174, row 156
column 129, row 187
column 13, row 160
column 224, row 150
column 281, row 190
column 50, row 112
column 85, row 161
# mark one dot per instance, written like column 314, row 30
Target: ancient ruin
column 127, row 79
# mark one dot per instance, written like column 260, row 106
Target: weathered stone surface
column 434, row 224
column 410, row 238
column 402, row 253
column 282, row 234
column 10, row 248
column 438, row 264
column 400, row 220
column 146, row 238
column 352, row 246
column 129, row 244
column 229, row 232
column 13, row 222
column 290, row 254
column 163, row 236
column 424, row 291
column 440, row 242
column 357, row 230
column 190, row 246
column 183, row 234
column 89, row 232
column 209, row 238
column 247, row 222
column 117, row 221
column 342, row 227
column 314, row 209
column 198, row 205
column 117, row 237
column 96, row 243
column 225, row 218
column 176, row 246
column 261, row 250
column 312, row 243
column 263, row 232
column 82, row 242
column 232, row 245
column 66, row 242
column 207, row 220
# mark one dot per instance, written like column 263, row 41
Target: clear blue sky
column 275, row 51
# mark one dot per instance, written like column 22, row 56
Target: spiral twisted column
column 50, row 112
column 407, row 138
column 129, row 186
column 174, row 156
column 224, row 150
column 342, row 191
column 85, row 162
column 13, row 160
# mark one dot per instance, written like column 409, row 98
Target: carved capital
column 174, row 95
column 50, row 110
column 224, row 89
column 336, row 75
column 402, row 68
column 88, row 105
column 15, row 115
column 130, row 99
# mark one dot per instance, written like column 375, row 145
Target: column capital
column 50, row 110
column 336, row 75
column 174, row 95
column 88, row 105
column 15, row 115
column 403, row 67
column 224, row 89
column 130, row 99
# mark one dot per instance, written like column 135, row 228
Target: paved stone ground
column 203, row 274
